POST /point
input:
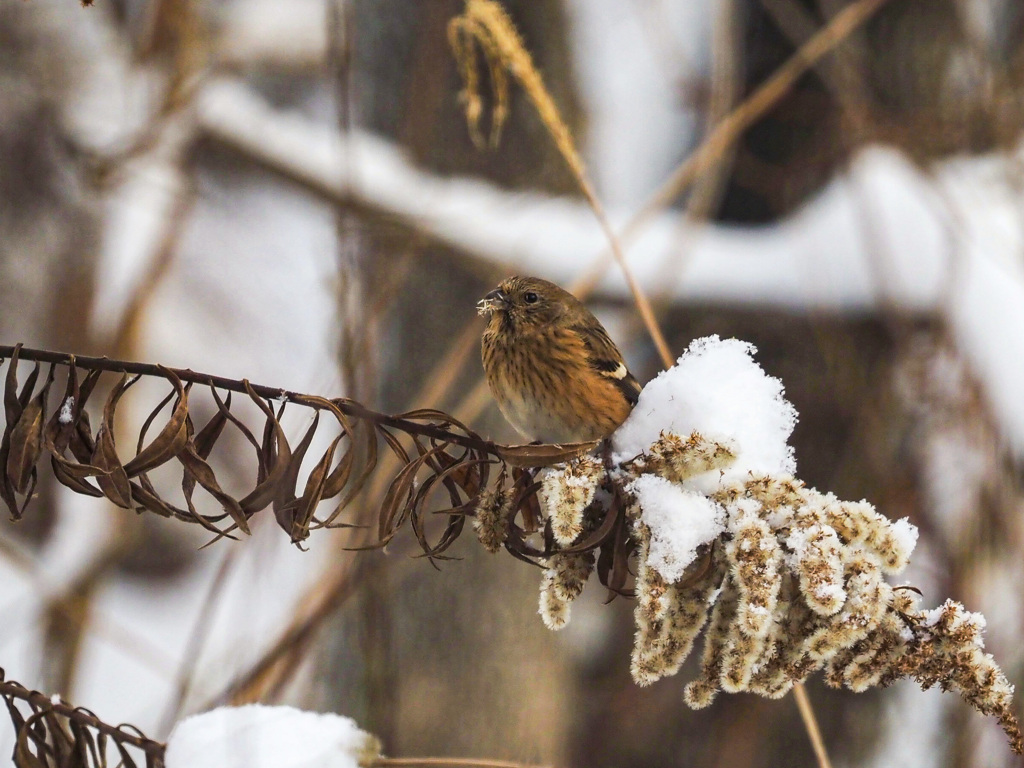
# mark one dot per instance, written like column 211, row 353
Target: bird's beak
column 492, row 302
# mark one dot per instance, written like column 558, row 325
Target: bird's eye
column 530, row 297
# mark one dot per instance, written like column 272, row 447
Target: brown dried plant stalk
column 485, row 23
column 438, row 456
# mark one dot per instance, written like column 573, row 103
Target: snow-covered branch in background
column 787, row 580
column 266, row 33
column 883, row 235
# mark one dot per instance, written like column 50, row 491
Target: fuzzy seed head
column 566, row 493
column 491, row 518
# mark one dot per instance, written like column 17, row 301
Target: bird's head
column 525, row 302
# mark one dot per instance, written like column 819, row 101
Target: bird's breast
column 546, row 390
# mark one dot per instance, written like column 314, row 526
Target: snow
column 270, row 33
column 65, row 411
column 680, row 521
column 257, row 736
column 716, row 389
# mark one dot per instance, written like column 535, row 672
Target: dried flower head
column 793, row 581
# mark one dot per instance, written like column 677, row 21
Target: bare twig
column 803, row 703
column 725, row 135
column 199, row 634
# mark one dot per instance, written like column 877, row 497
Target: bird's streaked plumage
column 551, row 366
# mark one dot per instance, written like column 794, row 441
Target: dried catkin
column 563, row 582
column 565, row 495
column 755, row 560
column 818, row 553
column 669, row 616
column 700, row 692
column 491, row 518
column 793, row 582
column 688, row 610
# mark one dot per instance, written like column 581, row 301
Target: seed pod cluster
column 794, row 582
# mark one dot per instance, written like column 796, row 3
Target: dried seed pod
column 563, row 581
column 570, row 574
column 867, row 601
column 688, row 610
column 554, row 610
column 859, row 523
column 652, row 605
column 870, row 660
column 771, row 676
column 669, row 616
column 776, row 492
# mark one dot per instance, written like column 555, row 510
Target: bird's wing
column 605, row 358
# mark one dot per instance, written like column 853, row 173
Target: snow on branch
column 258, row 736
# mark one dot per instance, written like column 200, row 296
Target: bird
column 552, row 368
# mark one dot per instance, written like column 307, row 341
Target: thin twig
column 803, row 703
column 197, row 639
column 728, row 132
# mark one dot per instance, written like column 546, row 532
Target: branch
column 438, row 456
column 242, row 386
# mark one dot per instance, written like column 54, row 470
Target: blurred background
column 287, row 192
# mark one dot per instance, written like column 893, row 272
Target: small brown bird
column 557, row 376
